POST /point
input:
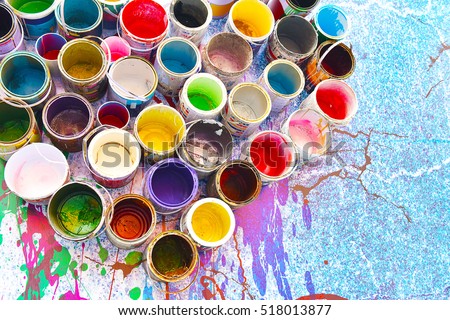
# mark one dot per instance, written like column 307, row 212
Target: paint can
column 203, row 96
column 118, row 46
column 112, row 156
column 68, row 118
column 36, row 171
column 248, row 106
column 143, row 24
column 272, row 153
column 78, row 210
column 176, row 60
column 132, row 82
column 281, row 8
column 237, row 183
column 11, row 32
column 333, row 99
column 47, row 47
column 114, row 114
column 331, row 23
column 170, row 185
column 206, row 145
column 79, row 18
column 209, row 222
column 159, row 128
column 283, row 80
column 220, row 8
column 310, row 132
column 18, row 126
column 332, row 60
column 227, row 56
column 111, row 9
column 83, row 65
column 294, row 38
column 132, row 223
column 20, row 65
column 172, row 261
column 38, row 17
column 190, row 19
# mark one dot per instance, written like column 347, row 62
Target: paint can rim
column 337, row 8
column 257, row 87
column 292, row 65
column 198, row 62
column 79, row 30
column 205, row 25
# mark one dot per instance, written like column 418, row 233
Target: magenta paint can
column 170, row 185
column 47, row 47
column 11, row 32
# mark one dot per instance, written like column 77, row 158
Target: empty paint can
column 68, row 118
column 209, row 222
column 132, row 222
column 283, row 80
column 132, row 82
column 176, row 60
column 112, row 156
column 272, row 153
column 227, row 56
column 11, row 32
column 248, row 106
column 332, row 60
column 47, row 47
column 220, row 8
column 83, row 65
column 78, row 210
column 36, row 171
column 203, row 96
column 79, row 18
column 114, row 114
column 236, row 182
column 18, row 127
column 331, row 22
column 282, row 8
column 294, row 38
column 206, row 145
column 333, row 99
column 170, row 185
column 159, row 129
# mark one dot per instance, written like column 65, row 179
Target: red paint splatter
column 322, row 296
column 207, row 294
column 326, row 262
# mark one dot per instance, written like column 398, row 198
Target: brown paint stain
column 432, row 88
column 207, row 294
column 444, row 47
column 126, row 268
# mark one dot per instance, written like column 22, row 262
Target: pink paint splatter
column 69, row 295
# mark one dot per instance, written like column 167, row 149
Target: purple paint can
column 11, row 32
column 170, row 185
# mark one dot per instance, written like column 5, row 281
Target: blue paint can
column 331, row 23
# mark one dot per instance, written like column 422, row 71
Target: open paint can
column 11, row 32
column 227, row 56
column 236, row 182
column 331, row 22
column 282, row 8
column 36, row 171
column 18, row 126
column 111, row 9
column 48, row 46
column 112, row 156
column 206, row 145
column 210, row 222
column 113, row 113
column 78, row 210
column 117, row 46
column 220, row 8
column 68, row 118
column 132, row 223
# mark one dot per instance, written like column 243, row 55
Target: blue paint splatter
column 309, row 284
column 147, row 293
column 294, row 230
column 224, row 261
column 306, row 214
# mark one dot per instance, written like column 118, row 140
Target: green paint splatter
column 103, row 253
column 72, row 267
column 84, row 267
column 103, row 272
column 1, row 239
column 134, row 257
column 135, row 293
column 62, row 258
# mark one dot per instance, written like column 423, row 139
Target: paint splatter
column 309, row 284
column 306, row 215
column 103, row 272
column 102, row 253
column 322, row 296
column 133, row 258
column 135, row 293
column 73, row 295
column 84, row 267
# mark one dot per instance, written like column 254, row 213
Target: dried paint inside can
column 14, row 124
column 131, row 219
column 238, row 182
column 69, row 122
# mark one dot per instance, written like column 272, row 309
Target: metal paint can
column 190, row 19
column 79, row 18
column 118, row 46
column 78, row 210
column 176, row 60
column 283, row 80
column 159, row 128
column 112, row 156
column 18, row 126
column 83, row 65
column 113, row 113
column 38, row 17
column 203, row 96
column 332, row 60
column 272, row 153
column 294, row 38
column 36, row 171
column 252, row 20
column 331, row 23
column 170, row 185
column 220, row 8
column 248, row 106
column 37, row 86
column 132, row 223
column 333, row 99
column 206, row 145
column 227, row 56
column 209, row 222
column 282, row 8
column 11, row 32
column 68, row 118
column 111, row 9
column 237, row 183
column 47, row 47
column 132, row 82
